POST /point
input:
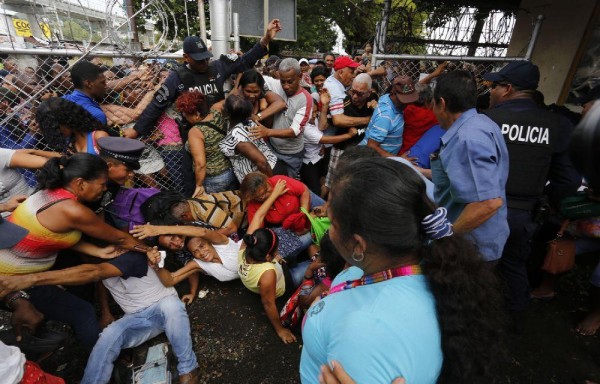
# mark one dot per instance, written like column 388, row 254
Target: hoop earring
column 358, row 258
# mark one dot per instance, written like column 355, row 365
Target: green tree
column 72, row 30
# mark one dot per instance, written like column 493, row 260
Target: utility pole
column 202, row 19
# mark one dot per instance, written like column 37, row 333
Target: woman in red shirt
column 284, row 216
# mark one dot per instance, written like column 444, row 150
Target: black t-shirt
column 131, row 264
column 353, row 111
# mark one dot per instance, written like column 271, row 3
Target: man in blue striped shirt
column 384, row 133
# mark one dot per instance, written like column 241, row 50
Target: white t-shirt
column 272, row 84
column 13, row 364
column 228, row 253
column 11, row 181
column 312, row 147
column 135, row 294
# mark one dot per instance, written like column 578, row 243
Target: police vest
column 530, row 137
column 208, row 83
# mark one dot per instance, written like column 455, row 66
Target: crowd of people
column 398, row 227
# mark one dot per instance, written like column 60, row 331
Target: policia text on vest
column 526, row 134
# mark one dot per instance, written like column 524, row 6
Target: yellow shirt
column 250, row 274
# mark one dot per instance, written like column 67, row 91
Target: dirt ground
column 235, row 342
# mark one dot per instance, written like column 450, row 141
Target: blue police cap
column 522, row 74
column 195, row 47
column 126, row 150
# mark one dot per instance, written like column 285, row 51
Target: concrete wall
column 560, row 38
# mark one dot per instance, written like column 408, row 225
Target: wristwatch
column 12, row 297
column 259, row 116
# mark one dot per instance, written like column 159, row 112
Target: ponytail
column 260, row 244
column 60, row 171
column 469, row 309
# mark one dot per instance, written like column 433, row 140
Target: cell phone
column 163, row 256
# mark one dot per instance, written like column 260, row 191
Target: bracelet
column 14, row 297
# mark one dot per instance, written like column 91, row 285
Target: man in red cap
column 344, row 71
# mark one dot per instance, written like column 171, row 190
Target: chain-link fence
column 131, row 82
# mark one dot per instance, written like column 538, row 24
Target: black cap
column 126, row 150
column 273, row 62
column 522, row 74
column 10, row 233
column 196, row 48
column 593, row 94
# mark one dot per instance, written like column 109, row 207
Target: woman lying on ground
column 259, row 264
column 286, row 218
column 214, row 253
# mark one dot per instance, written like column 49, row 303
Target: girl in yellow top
column 259, row 267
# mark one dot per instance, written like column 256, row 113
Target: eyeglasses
column 357, row 93
column 494, row 85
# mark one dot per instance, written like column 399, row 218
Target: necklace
column 377, row 277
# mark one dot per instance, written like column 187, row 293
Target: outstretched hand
column 144, row 231
column 12, row 203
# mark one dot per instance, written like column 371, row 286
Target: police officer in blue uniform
column 198, row 74
column 537, row 142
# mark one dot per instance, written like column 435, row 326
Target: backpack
column 126, row 205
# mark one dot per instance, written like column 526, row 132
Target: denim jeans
column 168, row 315
column 315, row 200
column 225, row 181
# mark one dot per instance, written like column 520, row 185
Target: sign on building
column 22, row 27
column 46, row 31
column 252, row 12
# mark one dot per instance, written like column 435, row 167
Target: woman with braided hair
column 416, row 303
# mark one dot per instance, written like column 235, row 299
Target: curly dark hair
column 56, row 111
column 467, row 294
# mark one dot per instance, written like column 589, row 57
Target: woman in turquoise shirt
column 425, row 309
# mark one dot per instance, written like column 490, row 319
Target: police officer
column 198, row 74
column 537, row 142
column 123, row 157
